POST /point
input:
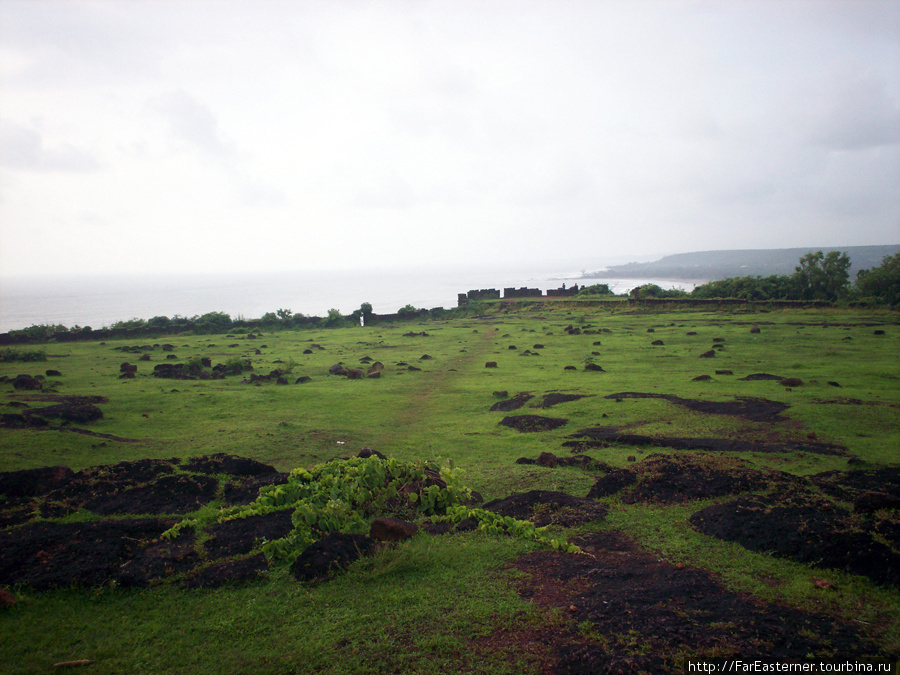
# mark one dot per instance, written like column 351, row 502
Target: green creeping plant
column 344, row 495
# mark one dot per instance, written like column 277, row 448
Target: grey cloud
column 193, row 122
column 861, row 115
column 23, row 148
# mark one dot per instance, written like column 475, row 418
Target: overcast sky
column 199, row 135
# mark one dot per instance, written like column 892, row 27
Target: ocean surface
column 100, row 301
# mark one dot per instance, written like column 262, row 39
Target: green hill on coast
column 713, row 265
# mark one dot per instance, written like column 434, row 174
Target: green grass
column 433, row 604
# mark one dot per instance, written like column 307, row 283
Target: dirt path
column 432, row 383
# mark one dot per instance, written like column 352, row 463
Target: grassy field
column 450, row 604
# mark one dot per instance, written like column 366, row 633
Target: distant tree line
column 819, row 277
column 215, row 322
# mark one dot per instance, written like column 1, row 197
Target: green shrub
column 9, row 354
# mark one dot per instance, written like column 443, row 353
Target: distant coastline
column 714, row 265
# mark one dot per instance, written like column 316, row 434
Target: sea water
column 100, row 301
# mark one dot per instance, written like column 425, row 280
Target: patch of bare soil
column 601, row 437
column 543, row 507
column 244, row 489
column 127, row 552
column 239, row 536
column 747, row 407
column 229, row 572
column 551, row 461
column 330, row 554
column 670, row 479
column 807, row 528
column 43, row 555
column 221, row 462
column 513, row 403
column 533, row 423
column 640, row 614
column 179, row 494
column 550, row 400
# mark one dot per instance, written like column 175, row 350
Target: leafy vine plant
column 344, row 495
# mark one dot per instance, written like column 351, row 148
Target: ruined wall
column 562, row 292
column 482, row 294
column 522, row 292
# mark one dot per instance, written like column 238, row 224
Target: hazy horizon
column 210, row 136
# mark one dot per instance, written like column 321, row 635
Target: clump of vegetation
column 9, row 354
column 345, row 495
column 881, row 283
column 595, row 289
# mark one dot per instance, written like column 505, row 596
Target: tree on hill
column 882, row 282
column 823, row 276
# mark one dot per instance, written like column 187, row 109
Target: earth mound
column 330, row 554
column 804, row 527
column 543, row 507
column 44, row 555
column 601, row 437
column 533, row 423
column 550, row 400
column 513, row 403
column 128, row 552
column 651, row 614
column 747, row 407
column 671, row 479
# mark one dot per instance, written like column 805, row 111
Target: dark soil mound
column 754, row 409
column 851, row 485
column 239, row 536
column 532, row 423
column 128, row 552
column 549, row 460
column 228, row 572
column 669, row 479
column 550, row 400
column 513, row 403
column 805, row 528
column 97, row 483
column 245, row 490
column 543, row 507
column 44, row 554
column 760, row 376
column 601, row 437
column 651, row 614
column 34, row 482
column 170, row 494
column 334, row 552
column 221, row 462
column 70, row 412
